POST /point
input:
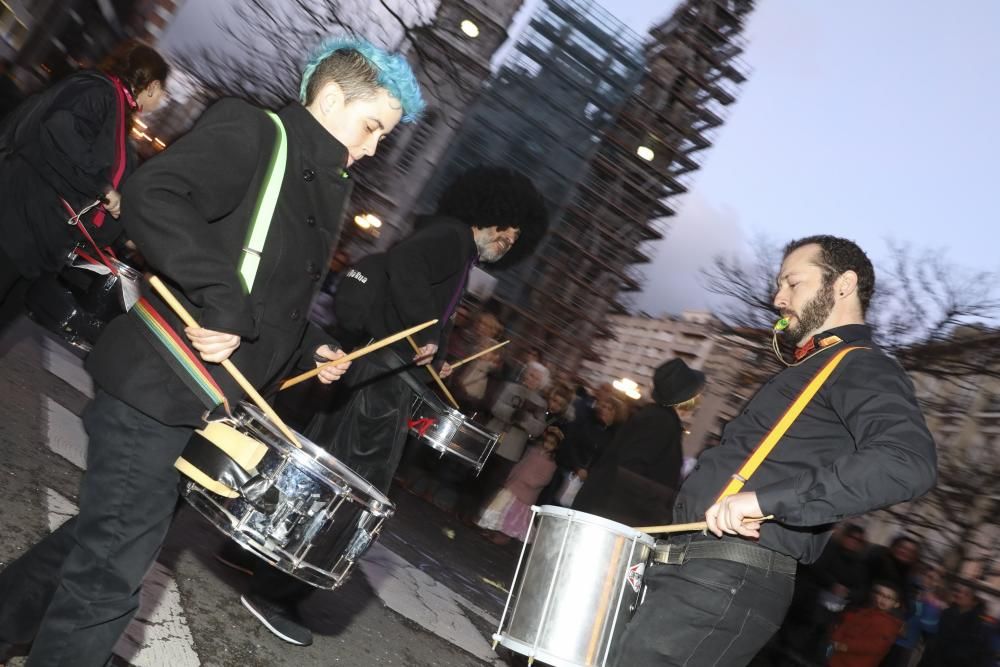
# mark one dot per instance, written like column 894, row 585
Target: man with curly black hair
column 486, row 215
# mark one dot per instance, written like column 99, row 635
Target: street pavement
column 429, row 592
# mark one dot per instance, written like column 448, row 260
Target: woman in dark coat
column 62, row 150
column 635, row 479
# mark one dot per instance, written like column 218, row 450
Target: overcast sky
column 870, row 120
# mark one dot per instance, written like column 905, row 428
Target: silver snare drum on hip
column 576, row 585
column 450, row 432
column 301, row 510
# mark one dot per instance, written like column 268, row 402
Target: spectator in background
column 476, row 334
column 586, row 437
column 896, row 564
column 508, row 514
column 635, row 479
column 923, row 619
column 477, row 384
column 518, row 415
column 822, row 590
column 864, row 636
column 560, row 413
column 963, row 638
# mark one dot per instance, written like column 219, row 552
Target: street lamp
column 646, row 153
column 627, row 387
column 469, row 28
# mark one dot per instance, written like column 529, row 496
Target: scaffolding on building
column 588, row 266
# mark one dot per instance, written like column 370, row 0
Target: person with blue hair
column 190, row 211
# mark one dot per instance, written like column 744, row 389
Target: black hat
column 674, row 382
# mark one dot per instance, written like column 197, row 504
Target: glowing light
column 159, row 142
column 470, row 28
column 367, row 221
column 627, row 387
column 140, row 123
column 646, row 153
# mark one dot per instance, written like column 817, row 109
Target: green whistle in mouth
column 781, row 324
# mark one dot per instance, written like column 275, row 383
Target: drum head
column 594, row 520
column 314, row 457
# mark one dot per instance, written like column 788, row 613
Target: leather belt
column 737, row 552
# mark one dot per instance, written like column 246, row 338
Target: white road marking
column 66, row 435
column 159, row 635
column 65, row 365
column 412, row 593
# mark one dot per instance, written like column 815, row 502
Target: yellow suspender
column 762, row 451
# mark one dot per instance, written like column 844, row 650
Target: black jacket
column 634, row 480
column 188, row 211
column 861, row 444
column 420, row 278
column 59, row 143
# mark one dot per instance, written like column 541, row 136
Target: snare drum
column 77, row 303
column 450, row 432
column 320, row 516
column 576, row 586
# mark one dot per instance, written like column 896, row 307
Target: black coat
column 634, row 480
column 420, row 278
column 59, row 143
column 188, row 210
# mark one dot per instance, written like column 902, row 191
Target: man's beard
column 491, row 252
column 813, row 315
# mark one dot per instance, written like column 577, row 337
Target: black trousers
column 74, row 593
column 704, row 612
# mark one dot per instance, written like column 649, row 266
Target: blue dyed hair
column 360, row 68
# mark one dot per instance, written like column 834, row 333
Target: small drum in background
column 450, row 432
column 577, row 584
column 77, row 303
column 301, row 510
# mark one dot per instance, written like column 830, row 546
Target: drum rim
column 314, row 456
column 593, row 519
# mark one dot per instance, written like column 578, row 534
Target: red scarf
column 123, row 96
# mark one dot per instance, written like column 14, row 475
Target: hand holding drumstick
column 738, row 514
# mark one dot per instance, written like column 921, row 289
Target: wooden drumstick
column 691, row 527
column 360, row 352
column 437, row 378
column 478, row 354
column 251, row 392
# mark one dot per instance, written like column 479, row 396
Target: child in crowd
column 508, row 514
column 864, row 636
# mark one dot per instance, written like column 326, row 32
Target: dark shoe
column 278, row 620
column 234, row 556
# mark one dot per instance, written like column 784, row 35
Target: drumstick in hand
column 691, row 527
column 251, row 392
column 478, row 354
column 360, row 352
column 437, row 378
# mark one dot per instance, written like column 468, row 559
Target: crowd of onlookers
column 870, row 605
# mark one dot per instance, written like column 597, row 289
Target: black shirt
column 861, row 444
